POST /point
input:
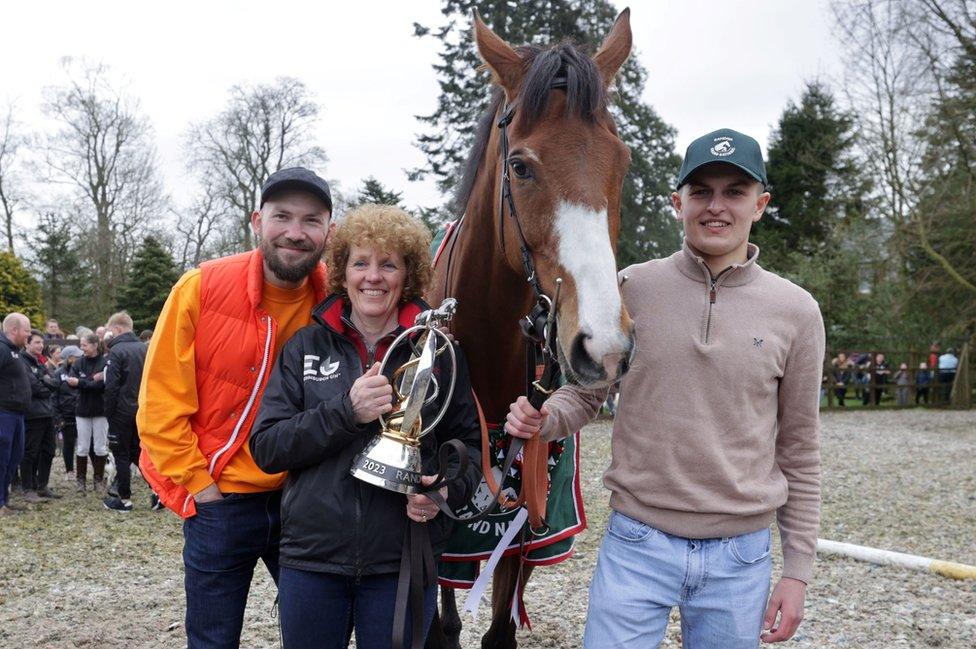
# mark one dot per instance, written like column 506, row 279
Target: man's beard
column 283, row 271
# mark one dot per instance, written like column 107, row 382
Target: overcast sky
column 710, row 63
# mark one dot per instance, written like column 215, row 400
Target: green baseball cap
column 724, row 145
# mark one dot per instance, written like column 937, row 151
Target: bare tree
column 911, row 77
column 201, row 236
column 11, row 194
column 103, row 151
column 262, row 129
column 887, row 85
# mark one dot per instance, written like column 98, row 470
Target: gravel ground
column 76, row 575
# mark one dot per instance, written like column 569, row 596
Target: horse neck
column 491, row 299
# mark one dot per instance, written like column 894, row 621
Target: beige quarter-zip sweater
column 718, row 425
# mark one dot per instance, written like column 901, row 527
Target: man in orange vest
column 215, row 342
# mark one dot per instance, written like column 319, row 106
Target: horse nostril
column 582, row 361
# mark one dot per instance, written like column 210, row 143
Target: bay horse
column 566, row 166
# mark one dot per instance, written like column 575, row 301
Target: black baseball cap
column 297, row 178
column 728, row 146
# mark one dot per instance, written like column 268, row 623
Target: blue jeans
column 222, row 545
column 11, row 450
column 720, row 586
column 320, row 611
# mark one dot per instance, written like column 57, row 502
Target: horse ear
column 616, row 47
column 505, row 64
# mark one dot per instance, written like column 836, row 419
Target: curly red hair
column 387, row 228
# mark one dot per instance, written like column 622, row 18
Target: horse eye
column 520, row 169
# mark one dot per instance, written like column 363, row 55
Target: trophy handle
column 447, row 346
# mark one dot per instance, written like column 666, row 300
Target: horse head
column 566, row 166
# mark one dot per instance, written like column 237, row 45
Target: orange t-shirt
column 291, row 309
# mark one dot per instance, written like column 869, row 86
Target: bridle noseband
column 539, row 325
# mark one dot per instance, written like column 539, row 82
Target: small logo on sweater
column 315, row 371
column 757, row 342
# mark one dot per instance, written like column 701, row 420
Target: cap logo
column 723, row 146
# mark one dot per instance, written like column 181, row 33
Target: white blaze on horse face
column 585, row 252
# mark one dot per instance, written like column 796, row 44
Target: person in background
column 864, row 378
column 935, row 350
column 52, row 331
column 53, row 354
column 923, row 379
column 842, row 377
column 39, row 437
column 146, row 335
column 88, row 375
column 65, row 403
column 948, row 363
column 903, row 379
column 123, row 374
column 882, row 373
column 15, row 398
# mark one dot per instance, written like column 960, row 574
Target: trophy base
column 389, row 464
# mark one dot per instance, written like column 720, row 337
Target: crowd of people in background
column 77, row 392
column 869, row 378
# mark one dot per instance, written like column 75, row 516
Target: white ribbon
column 474, row 598
column 516, row 618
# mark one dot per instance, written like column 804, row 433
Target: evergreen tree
column 151, row 277
column 18, row 290
column 647, row 226
column 815, row 230
column 944, row 227
column 373, row 191
column 815, row 181
column 57, row 263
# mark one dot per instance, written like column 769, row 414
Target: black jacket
column 66, row 397
column 15, row 386
column 123, row 373
column 90, row 391
column 330, row 521
column 42, row 386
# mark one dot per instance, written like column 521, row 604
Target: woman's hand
column 420, row 508
column 371, row 395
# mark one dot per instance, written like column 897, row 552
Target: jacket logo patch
column 757, row 342
column 316, row 371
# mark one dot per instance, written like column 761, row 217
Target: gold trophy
column 392, row 459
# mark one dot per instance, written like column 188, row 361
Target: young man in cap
column 717, row 430
column 209, row 360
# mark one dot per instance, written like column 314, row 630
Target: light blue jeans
column 720, row 586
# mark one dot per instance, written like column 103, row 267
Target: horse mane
column 585, row 98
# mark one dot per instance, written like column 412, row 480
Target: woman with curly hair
column 342, row 539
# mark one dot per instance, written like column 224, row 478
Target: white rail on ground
column 949, row 569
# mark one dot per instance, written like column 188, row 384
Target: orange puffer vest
column 233, row 348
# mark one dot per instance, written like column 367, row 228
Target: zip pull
column 712, row 293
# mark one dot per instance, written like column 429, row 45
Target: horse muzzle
column 597, row 363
